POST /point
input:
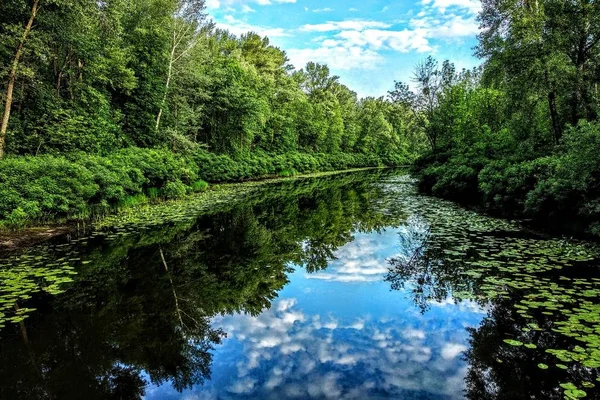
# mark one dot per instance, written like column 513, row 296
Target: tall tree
column 184, row 31
column 12, row 75
column 547, row 51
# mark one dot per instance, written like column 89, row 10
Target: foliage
column 520, row 135
column 100, row 90
column 49, row 187
column 158, row 73
column 199, row 186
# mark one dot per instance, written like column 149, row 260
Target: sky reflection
column 341, row 333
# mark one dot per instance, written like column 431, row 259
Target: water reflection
column 285, row 293
column 340, row 333
column 139, row 309
column 522, row 281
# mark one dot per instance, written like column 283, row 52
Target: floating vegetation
column 24, row 275
column 552, row 283
column 513, row 342
column 48, row 268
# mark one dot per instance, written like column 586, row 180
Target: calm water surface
column 350, row 286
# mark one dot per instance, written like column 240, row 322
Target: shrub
column 456, row 182
column 571, row 188
column 50, row 187
column 132, row 201
column 44, row 186
column 174, row 190
column 153, row 193
column 288, row 172
column 505, row 185
column 562, row 189
column 199, row 186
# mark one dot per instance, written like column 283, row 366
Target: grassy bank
column 50, row 188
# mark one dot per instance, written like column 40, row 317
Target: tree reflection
column 498, row 371
column 140, row 311
column 428, row 270
column 423, row 270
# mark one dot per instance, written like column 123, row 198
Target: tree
column 377, row 135
column 12, row 75
column 431, row 83
column 184, row 31
column 547, row 51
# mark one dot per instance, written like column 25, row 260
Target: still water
column 349, row 286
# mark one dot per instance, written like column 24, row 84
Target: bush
column 561, row 190
column 153, row 193
column 506, row 186
column 174, row 190
column 571, row 189
column 451, row 177
column 456, row 182
column 44, row 186
column 50, row 187
column 199, row 186
column 288, row 172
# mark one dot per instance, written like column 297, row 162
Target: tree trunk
column 167, row 84
column 556, row 129
column 576, row 96
column 12, row 77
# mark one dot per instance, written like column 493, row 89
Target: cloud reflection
column 286, row 353
column 340, row 333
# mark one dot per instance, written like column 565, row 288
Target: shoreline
column 37, row 233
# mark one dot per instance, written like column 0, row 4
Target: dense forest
column 114, row 102
column 108, row 100
column 520, row 136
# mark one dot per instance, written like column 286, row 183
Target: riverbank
column 213, row 196
column 559, row 193
column 78, row 186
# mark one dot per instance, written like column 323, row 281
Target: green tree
column 22, row 35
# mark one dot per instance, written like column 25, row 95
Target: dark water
column 350, row 286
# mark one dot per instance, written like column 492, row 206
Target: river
column 347, row 286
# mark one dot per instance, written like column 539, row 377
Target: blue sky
column 368, row 43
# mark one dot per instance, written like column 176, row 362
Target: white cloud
column 376, row 39
column 322, row 10
column 238, row 27
column 216, row 4
column 471, row 6
column 242, row 386
column 413, row 334
column 452, row 350
column 448, row 27
column 364, row 259
column 358, row 44
column 359, row 324
column 390, row 355
column 355, row 24
column 213, row 4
